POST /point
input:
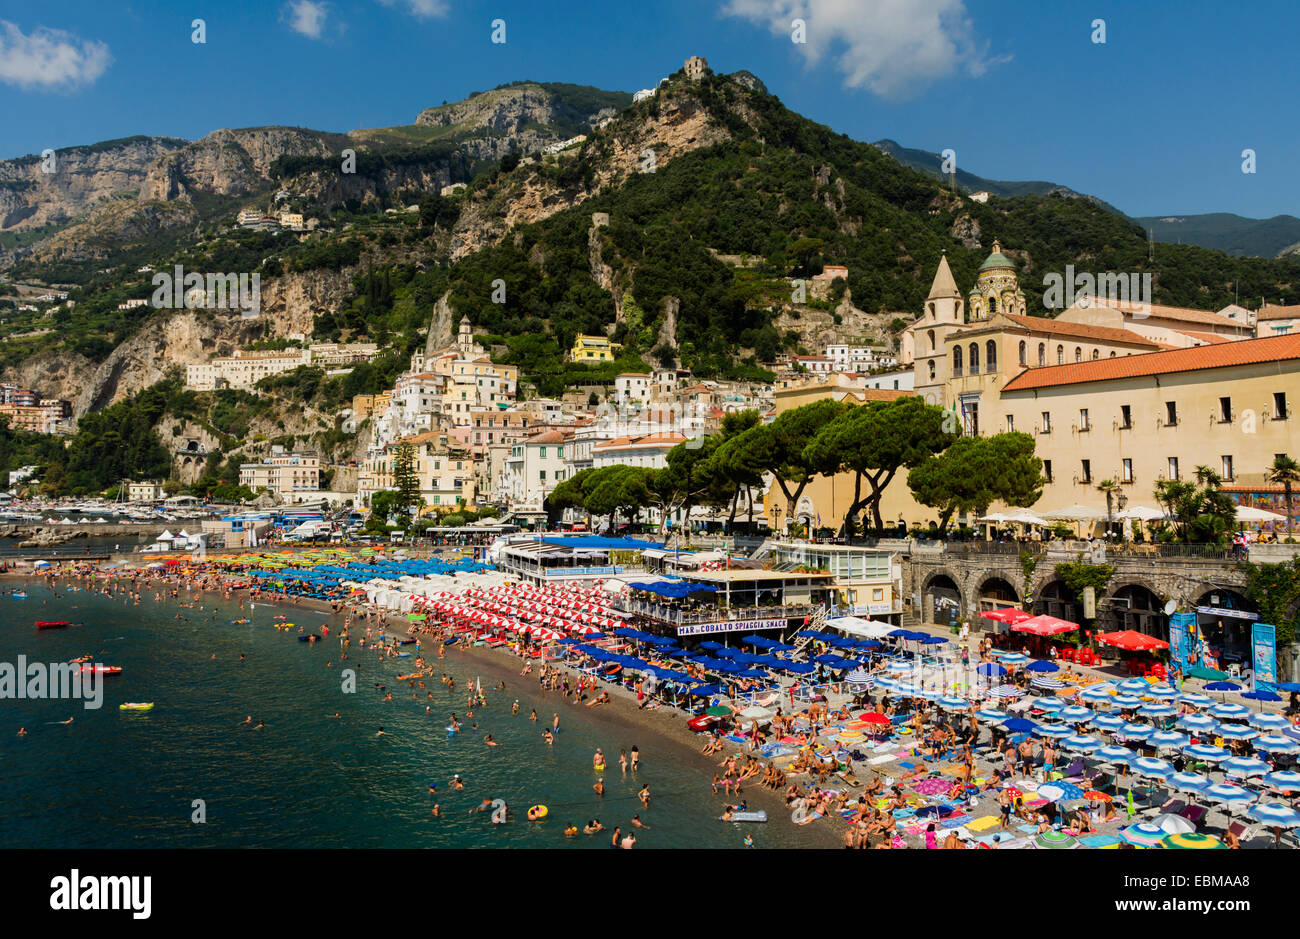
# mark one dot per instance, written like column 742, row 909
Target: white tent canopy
column 166, row 536
column 856, row 626
column 1075, row 513
column 1140, row 513
column 1246, row 513
column 1025, row 517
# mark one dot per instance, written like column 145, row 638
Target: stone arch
column 1054, row 598
column 993, row 591
column 1137, row 605
column 941, row 598
column 1228, row 636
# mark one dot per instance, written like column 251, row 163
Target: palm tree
column 1285, row 471
column 1110, row 489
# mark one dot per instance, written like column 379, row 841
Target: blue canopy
column 1018, row 724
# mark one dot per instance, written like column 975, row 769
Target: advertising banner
column 1263, row 649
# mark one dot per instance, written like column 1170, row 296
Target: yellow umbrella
column 1194, row 840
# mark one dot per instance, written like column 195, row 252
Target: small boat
column 103, row 669
column 19, row 595
column 135, row 706
column 702, row 723
column 757, row 816
column 51, row 624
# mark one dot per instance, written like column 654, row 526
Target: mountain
column 931, row 164
column 149, row 192
column 1232, row 234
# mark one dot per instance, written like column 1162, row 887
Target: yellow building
column 593, row 350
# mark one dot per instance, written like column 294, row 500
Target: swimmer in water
column 380, row 732
column 548, row 737
column 247, row 720
column 457, row 782
column 636, row 820
column 437, row 810
column 489, row 741
column 22, row 731
column 599, row 788
column 260, row 725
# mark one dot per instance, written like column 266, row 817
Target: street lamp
column 778, row 511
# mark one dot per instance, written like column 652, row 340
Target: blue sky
column 1154, row 120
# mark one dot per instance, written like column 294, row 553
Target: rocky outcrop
column 231, row 162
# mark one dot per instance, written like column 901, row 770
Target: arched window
column 1112, row 355
column 1042, row 354
column 956, row 361
column 931, row 311
column 1060, row 355
column 974, row 358
column 1022, row 353
column 1096, row 354
column 993, row 306
column 932, row 370
column 931, row 335
column 990, row 356
column 1078, row 354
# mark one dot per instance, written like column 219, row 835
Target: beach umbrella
column 1227, row 794
column 1048, row 684
column 991, row 669
column 1101, row 841
column 1125, row 701
column 1152, row 768
column 1173, row 824
column 1206, row 753
column 1259, row 695
column 1275, row 815
column 1244, row 766
column 1014, row 658
column 1284, row 779
column 755, row 712
column 953, row 704
column 1058, row 731
column 1266, row 721
column 1109, row 722
column 1136, row 731
column 1157, row 710
column 1237, row 732
column 1097, row 694
column 1188, row 782
column 1230, row 712
column 1134, row 686
column 1081, row 743
column 1116, row 754
column 1048, row 704
column 1223, row 686
column 1006, row 691
column 1197, row 722
column 1055, row 839
column 991, row 714
column 1143, row 834
column 1042, row 666
column 1075, row 714
column 1162, row 693
column 1275, row 743
column 1193, row 841
column 718, row 711
column 1196, row 700
column 1018, row 725
column 1167, row 738
column 872, row 717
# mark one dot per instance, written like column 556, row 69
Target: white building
column 632, row 388
column 535, row 466
column 144, row 492
column 904, row 380
column 650, row 451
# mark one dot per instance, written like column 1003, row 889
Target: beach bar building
column 551, row 559
column 707, row 602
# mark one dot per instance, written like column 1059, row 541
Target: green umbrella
column 718, row 711
column 1193, row 840
column 1056, row 839
column 1209, row 674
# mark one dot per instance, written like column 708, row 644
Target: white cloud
column 49, row 58
column 894, row 48
column 308, row 18
column 420, row 9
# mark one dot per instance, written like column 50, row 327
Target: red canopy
column 1008, row 614
column 872, row 717
column 1133, row 641
column 1045, row 626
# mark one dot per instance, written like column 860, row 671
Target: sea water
column 114, row 778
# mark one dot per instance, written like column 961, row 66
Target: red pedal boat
column 51, row 624
column 103, row 669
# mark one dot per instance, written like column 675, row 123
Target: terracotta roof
column 1222, row 355
column 1187, row 315
column 649, row 440
column 1080, row 330
column 1204, row 337
column 548, row 436
column 1272, row 312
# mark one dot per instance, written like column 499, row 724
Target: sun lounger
column 1194, row 814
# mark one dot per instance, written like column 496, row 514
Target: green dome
column 997, row 259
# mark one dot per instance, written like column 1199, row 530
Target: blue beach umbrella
column 1006, row 691
column 953, row 704
column 1143, row 834
column 1125, row 701
column 1284, row 779
column 991, row 669
column 991, row 714
column 1287, row 686
column 1136, row 731
column 1206, row 753
column 1259, row 695
column 1059, row 731
column 1048, row 684
column 1081, row 743
column 889, row 684
column 1237, row 732
column 1152, row 768
column 1196, row 700
column 1230, row 712
column 1097, row 694
column 1049, row 704
column 1200, row 723
column 1167, row 738
column 1266, row 721
column 1244, row 766
column 1135, row 686
column 1109, row 722
column 1018, row 725
column 1116, row 754
column 1275, row 815
column 1157, row 710
column 1075, row 714
column 1043, row 665
column 1228, row 794
column 1162, row 692
column 1189, row 782
column 1014, row 658
column 1275, row 743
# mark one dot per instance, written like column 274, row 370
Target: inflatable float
column 537, row 812
column 757, row 816
column 51, row 624
column 103, row 669
column 135, row 706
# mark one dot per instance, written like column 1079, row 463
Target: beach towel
column 1027, row 829
column 983, row 824
column 881, row 760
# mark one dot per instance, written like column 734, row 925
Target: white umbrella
column 1025, row 517
column 1075, row 513
column 1140, row 513
column 1173, row 824
column 1246, row 513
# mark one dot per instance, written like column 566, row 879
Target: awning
column 856, row 626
